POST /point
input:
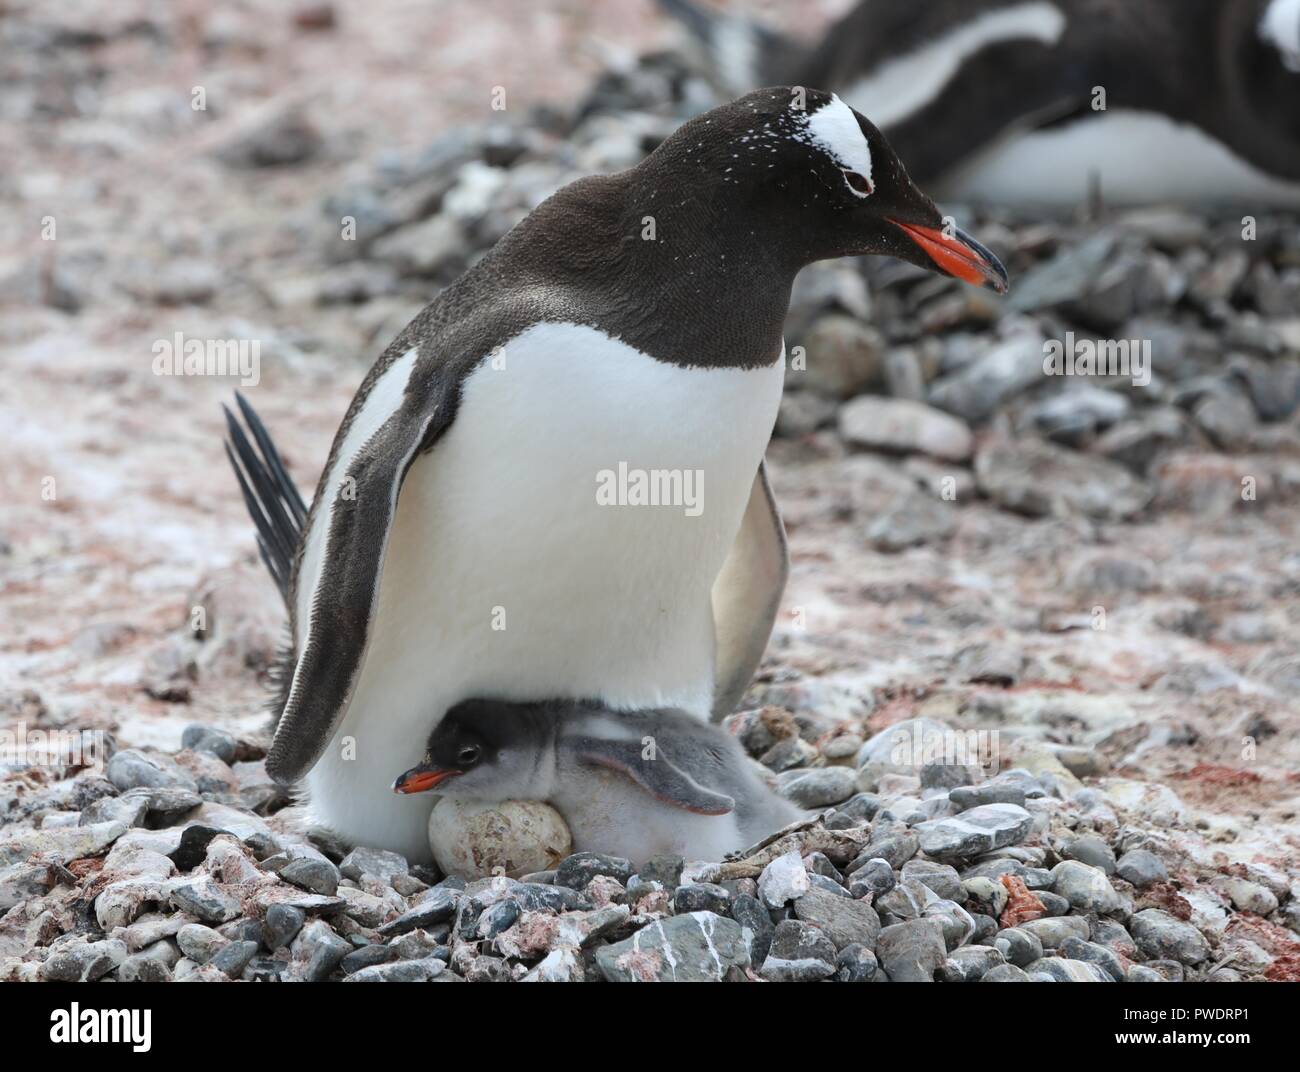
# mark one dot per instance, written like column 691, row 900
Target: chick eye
column 858, row 183
column 468, row 755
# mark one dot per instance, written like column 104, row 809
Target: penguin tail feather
column 273, row 500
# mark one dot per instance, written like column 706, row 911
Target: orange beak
column 421, row 779
column 958, row 255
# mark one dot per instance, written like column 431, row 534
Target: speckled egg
column 473, row 840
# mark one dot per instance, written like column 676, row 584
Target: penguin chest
column 563, row 537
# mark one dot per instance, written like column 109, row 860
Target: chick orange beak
column 958, row 255
column 421, row 779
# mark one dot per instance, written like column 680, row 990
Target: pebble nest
column 158, row 869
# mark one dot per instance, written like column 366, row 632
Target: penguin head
column 804, row 174
column 481, row 750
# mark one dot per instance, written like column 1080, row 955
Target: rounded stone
column 1091, row 851
column 1158, row 934
column 1141, row 868
column 1005, row 973
column 473, row 839
column 1084, row 887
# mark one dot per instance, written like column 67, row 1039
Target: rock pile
column 911, row 873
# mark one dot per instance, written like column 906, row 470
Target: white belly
column 505, row 576
column 1139, row 157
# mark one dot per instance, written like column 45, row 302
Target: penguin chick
column 632, row 783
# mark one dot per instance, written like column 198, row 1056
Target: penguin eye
column 468, row 755
column 858, row 183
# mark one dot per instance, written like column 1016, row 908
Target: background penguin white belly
column 604, row 601
column 1139, row 157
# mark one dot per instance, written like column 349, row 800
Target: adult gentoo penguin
column 457, row 544
column 997, row 100
column 632, row 783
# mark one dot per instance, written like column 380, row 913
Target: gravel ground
column 1100, row 576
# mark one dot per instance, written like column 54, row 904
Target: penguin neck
column 715, row 279
column 658, row 264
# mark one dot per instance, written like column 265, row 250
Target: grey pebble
column 1063, row 970
column 400, row 971
column 366, row 957
column 1005, row 973
column 1142, row 868
column 799, row 953
column 1055, row 930
column 969, row 964
column 1160, row 935
column 316, row 952
column 281, row 925
column 82, row 962
column 130, row 769
column 200, row 943
column 379, row 863
column 965, row 797
column 437, row 906
column 234, row 958
column 817, row 787
column 208, row 739
column 1091, row 851
column 976, row 831
column 1018, row 946
column 1091, row 953
column 855, row 964
column 153, row 964
column 580, row 868
column 873, row 878
column 314, row 875
column 697, row 947
column 701, row 897
column 203, row 898
column 941, row 878
column 913, row 951
column 843, row 920
column 753, row 916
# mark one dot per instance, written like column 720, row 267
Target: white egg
column 514, row 837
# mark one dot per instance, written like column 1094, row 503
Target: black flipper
column 341, row 591
column 273, row 500
column 657, row 776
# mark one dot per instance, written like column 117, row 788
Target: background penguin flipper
column 747, row 595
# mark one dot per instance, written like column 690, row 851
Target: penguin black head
column 802, row 172
column 486, row 746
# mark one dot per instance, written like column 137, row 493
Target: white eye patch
column 1280, row 27
column 834, row 130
